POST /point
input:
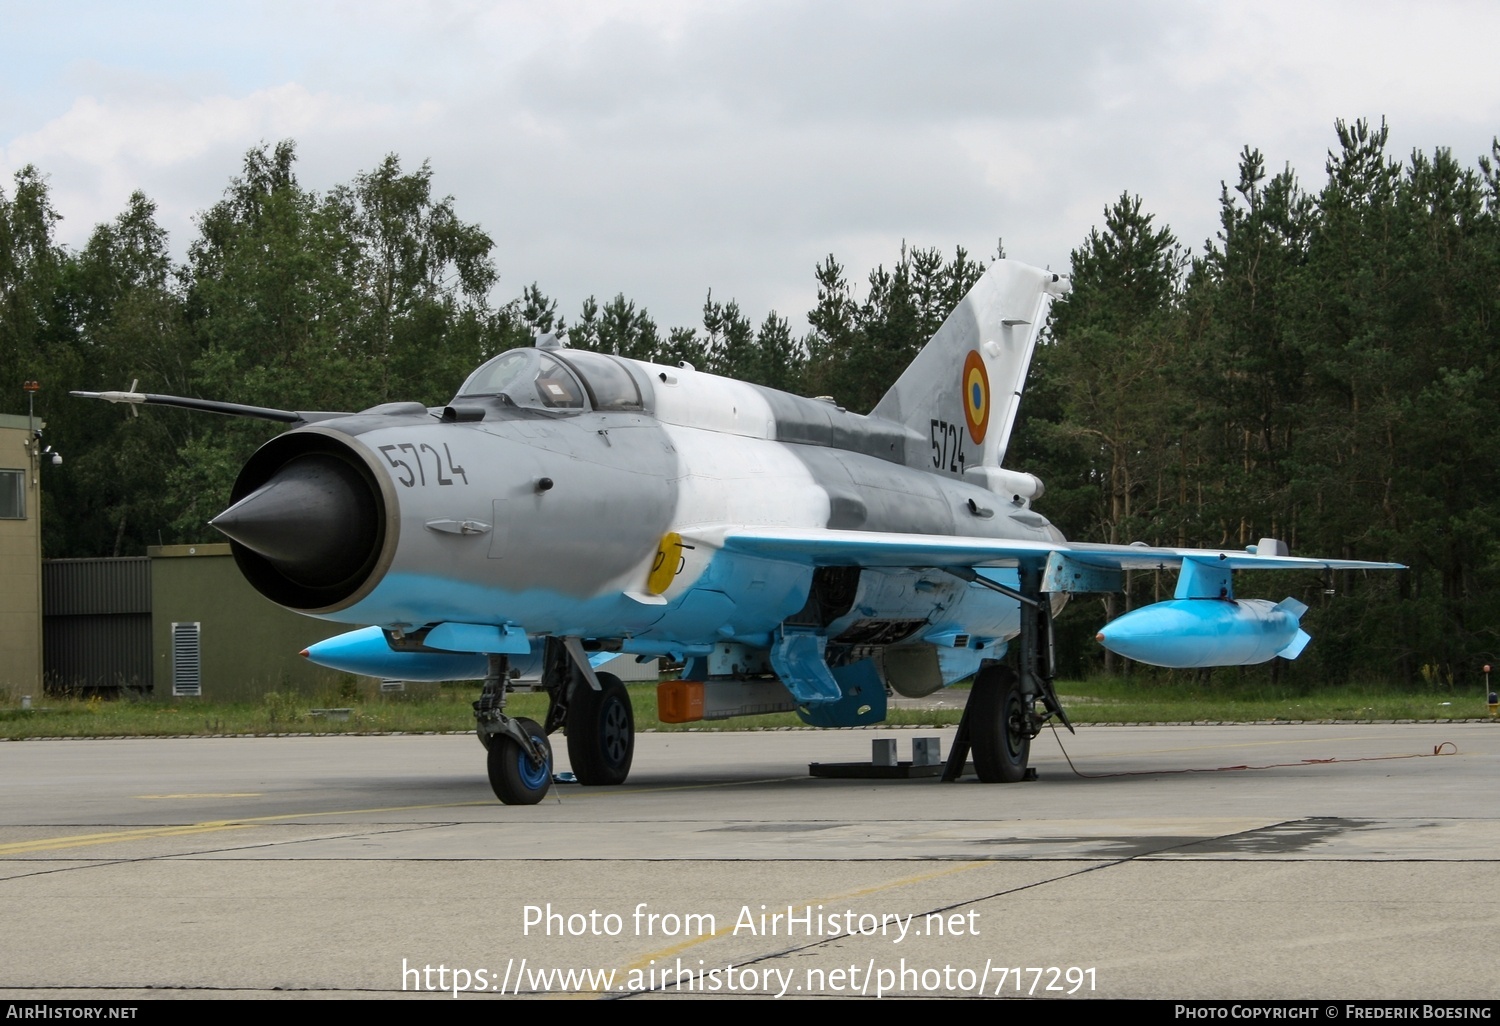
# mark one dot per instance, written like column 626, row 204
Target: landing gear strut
column 520, row 759
column 1002, row 715
column 599, row 722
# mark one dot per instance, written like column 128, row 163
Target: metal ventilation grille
column 187, row 678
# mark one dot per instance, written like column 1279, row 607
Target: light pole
column 33, row 444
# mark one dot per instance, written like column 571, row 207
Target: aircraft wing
column 815, row 547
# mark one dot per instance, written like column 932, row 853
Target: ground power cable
column 1443, row 748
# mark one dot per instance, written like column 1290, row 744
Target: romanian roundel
column 976, row 401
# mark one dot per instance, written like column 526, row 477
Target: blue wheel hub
column 532, row 774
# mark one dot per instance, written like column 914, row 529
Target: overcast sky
column 662, row 149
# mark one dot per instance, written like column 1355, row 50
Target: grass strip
column 445, row 709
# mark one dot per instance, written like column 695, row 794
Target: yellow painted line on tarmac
column 112, row 837
column 205, row 794
column 209, row 826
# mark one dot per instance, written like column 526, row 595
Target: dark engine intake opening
column 307, row 522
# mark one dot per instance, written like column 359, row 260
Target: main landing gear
column 601, row 731
column 1007, row 709
column 600, row 725
column 1000, row 729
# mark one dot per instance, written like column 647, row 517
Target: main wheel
column 601, row 732
column 516, row 779
column 999, row 730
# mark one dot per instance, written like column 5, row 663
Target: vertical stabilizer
column 963, row 389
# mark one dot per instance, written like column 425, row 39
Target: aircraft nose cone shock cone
column 314, row 520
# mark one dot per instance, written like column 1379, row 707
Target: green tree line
column 1318, row 373
column 1321, row 373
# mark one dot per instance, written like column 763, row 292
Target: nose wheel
column 520, row 776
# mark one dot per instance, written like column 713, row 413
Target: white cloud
column 163, row 133
column 663, row 149
column 181, row 150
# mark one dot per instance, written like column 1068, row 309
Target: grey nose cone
column 314, row 520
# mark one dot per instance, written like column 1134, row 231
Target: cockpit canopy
column 572, row 379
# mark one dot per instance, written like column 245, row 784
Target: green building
column 20, row 560
column 212, row 634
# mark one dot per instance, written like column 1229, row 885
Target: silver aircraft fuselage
column 557, row 520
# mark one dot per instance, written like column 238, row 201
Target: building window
column 12, row 495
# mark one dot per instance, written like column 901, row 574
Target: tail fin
column 963, row 389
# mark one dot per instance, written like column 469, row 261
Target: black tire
column 601, row 732
column 1000, row 736
column 515, row 779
